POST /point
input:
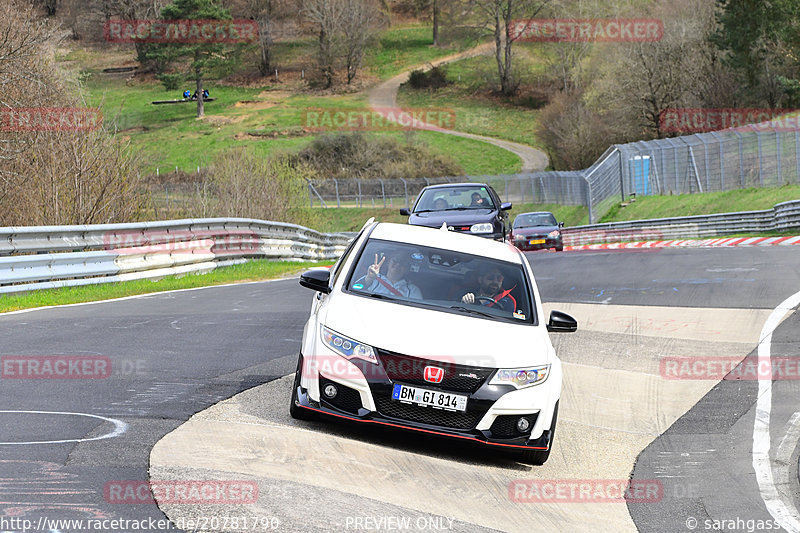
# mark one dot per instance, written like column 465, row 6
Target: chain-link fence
column 753, row 156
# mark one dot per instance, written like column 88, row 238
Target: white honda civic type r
column 433, row 331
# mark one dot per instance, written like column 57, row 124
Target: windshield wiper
column 472, row 311
column 375, row 295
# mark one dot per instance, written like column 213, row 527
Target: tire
column 539, row 457
column 297, row 412
column 560, row 248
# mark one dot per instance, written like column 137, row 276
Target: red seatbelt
column 503, row 295
column 392, row 289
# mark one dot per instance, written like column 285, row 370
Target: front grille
column 505, row 426
column 410, row 370
column 346, row 399
column 428, row 415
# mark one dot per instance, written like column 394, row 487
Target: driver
column 490, row 291
column 477, row 200
column 392, row 281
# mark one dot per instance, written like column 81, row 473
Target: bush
column 241, row 184
column 435, row 78
column 575, row 135
column 356, row 155
column 171, row 81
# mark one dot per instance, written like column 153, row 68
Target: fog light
column 330, row 392
column 523, row 425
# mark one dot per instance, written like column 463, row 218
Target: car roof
column 453, row 185
column 447, row 240
column 536, row 213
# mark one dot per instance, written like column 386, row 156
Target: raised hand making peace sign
column 374, row 270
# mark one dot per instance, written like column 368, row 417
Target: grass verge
column 256, row 270
column 702, row 204
column 476, row 109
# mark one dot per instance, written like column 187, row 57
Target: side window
column 495, row 197
column 336, row 269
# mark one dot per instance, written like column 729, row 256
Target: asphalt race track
column 175, row 355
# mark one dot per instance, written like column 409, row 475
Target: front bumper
column 549, row 242
column 492, row 410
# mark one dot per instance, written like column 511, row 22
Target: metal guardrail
column 37, row 257
column 783, row 217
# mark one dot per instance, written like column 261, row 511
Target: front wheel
column 297, row 412
column 539, row 457
column 560, row 248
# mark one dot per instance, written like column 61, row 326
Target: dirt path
column 383, row 97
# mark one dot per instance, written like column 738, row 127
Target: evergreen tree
column 178, row 61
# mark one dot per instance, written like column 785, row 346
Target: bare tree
column 643, row 79
column 139, row 10
column 436, row 9
column 327, row 16
column 501, row 18
column 344, row 27
column 243, row 184
column 52, row 177
column 358, row 24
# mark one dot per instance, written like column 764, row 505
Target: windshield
column 535, row 219
column 442, row 279
column 444, row 199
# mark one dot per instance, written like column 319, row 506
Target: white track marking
column 789, row 440
column 786, row 517
column 119, row 428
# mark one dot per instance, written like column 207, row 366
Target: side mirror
column 561, row 323
column 505, row 206
column 560, row 224
column 405, row 212
column 316, row 279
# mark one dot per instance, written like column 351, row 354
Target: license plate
column 429, row 398
column 537, row 241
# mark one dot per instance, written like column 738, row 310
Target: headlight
column 519, row 237
column 481, row 228
column 347, row 347
column 554, row 234
column 521, row 377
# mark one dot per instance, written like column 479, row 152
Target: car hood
column 452, row 218
column 534, row 230
column 438, row 335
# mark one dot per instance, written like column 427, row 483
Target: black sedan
column 473, row 208
column 537, row 231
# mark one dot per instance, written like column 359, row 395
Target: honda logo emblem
column 433, row 374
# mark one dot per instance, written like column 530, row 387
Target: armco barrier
column 783, row 217
column 40, row 257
